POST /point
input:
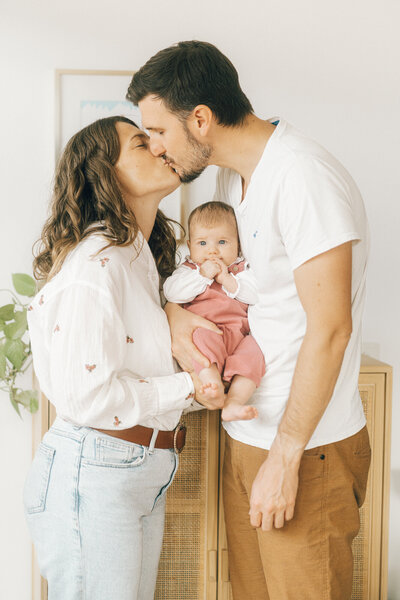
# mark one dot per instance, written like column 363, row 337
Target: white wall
column 331, row 68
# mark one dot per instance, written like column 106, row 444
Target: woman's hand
column 209, row 396
column 182, row 323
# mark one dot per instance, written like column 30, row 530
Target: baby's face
column 215, row 241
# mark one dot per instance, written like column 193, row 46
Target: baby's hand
column 223, row 273
column 209, row 269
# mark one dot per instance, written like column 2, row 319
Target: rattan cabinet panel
column 186, row 570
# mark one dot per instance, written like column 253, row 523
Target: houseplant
column 15, row 348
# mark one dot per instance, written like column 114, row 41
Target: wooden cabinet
column 194, row 561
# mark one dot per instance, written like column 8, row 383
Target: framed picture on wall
column 84, row 96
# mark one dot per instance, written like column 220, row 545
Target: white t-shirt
column 101, row 343
column 300, row 202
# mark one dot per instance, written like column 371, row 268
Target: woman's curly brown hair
column 87, row 193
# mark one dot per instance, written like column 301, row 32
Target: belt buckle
column 177, row 429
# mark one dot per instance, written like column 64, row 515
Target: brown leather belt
column 142, row 435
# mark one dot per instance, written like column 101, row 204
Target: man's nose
column 156, row 148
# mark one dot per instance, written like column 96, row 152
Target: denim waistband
column 69, row 430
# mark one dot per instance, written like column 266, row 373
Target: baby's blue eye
column 202, row 243
column 222, row 242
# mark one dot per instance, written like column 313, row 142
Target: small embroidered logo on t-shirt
column 129, row 340
column 116, row 422
column 143, row 381
column 30, row 307
column 90, row 368
column 104, row 261
column 255, row 233
column 56, row 328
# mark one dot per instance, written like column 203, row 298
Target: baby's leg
column 240, row 392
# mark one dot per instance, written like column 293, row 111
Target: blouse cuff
column 174, row 392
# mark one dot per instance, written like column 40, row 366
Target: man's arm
column 324, row 288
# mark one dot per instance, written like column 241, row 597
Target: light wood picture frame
column 83, row 96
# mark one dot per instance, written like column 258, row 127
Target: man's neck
column 240, row 148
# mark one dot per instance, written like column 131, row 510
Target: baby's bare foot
column 213, row 390
column 238, row 412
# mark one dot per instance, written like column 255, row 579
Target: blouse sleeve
column 185, row 284
column 87, row 348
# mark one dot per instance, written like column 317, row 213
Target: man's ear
column 200, row 120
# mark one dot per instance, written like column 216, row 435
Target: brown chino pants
column 310, row 558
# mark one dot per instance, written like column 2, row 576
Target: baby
column 217, row 284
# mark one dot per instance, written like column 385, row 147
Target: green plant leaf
column 14, row 402
column 14, row 351
column 7, row 312
column 16, row 330
column 3, row 363
column 24, row 284
column 29, row 400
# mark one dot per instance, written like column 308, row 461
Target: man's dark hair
column 191, row 73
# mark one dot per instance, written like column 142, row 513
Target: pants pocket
column 164, row 488
column 37, row 481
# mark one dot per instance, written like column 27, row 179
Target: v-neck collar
column 240, row 204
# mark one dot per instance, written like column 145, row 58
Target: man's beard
column 198, row 158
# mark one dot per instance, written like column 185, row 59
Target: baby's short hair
column 211, row 213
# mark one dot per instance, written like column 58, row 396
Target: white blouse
column 101, row 342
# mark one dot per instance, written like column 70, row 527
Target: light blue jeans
column 95, row 509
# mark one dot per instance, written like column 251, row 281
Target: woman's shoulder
column 91, row 263
column 89, row 255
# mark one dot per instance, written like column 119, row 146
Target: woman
column 95, row 494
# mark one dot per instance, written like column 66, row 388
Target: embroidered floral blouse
column 101, row 342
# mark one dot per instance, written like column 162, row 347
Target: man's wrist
column 288, row 448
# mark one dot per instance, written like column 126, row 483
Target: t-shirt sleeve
column 315, row 211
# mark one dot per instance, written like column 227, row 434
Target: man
column 295, row 477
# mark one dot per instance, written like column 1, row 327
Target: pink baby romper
column 235, row 352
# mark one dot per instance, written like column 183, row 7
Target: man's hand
column 182, row 323
column 274, row 490
column 210, row 269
